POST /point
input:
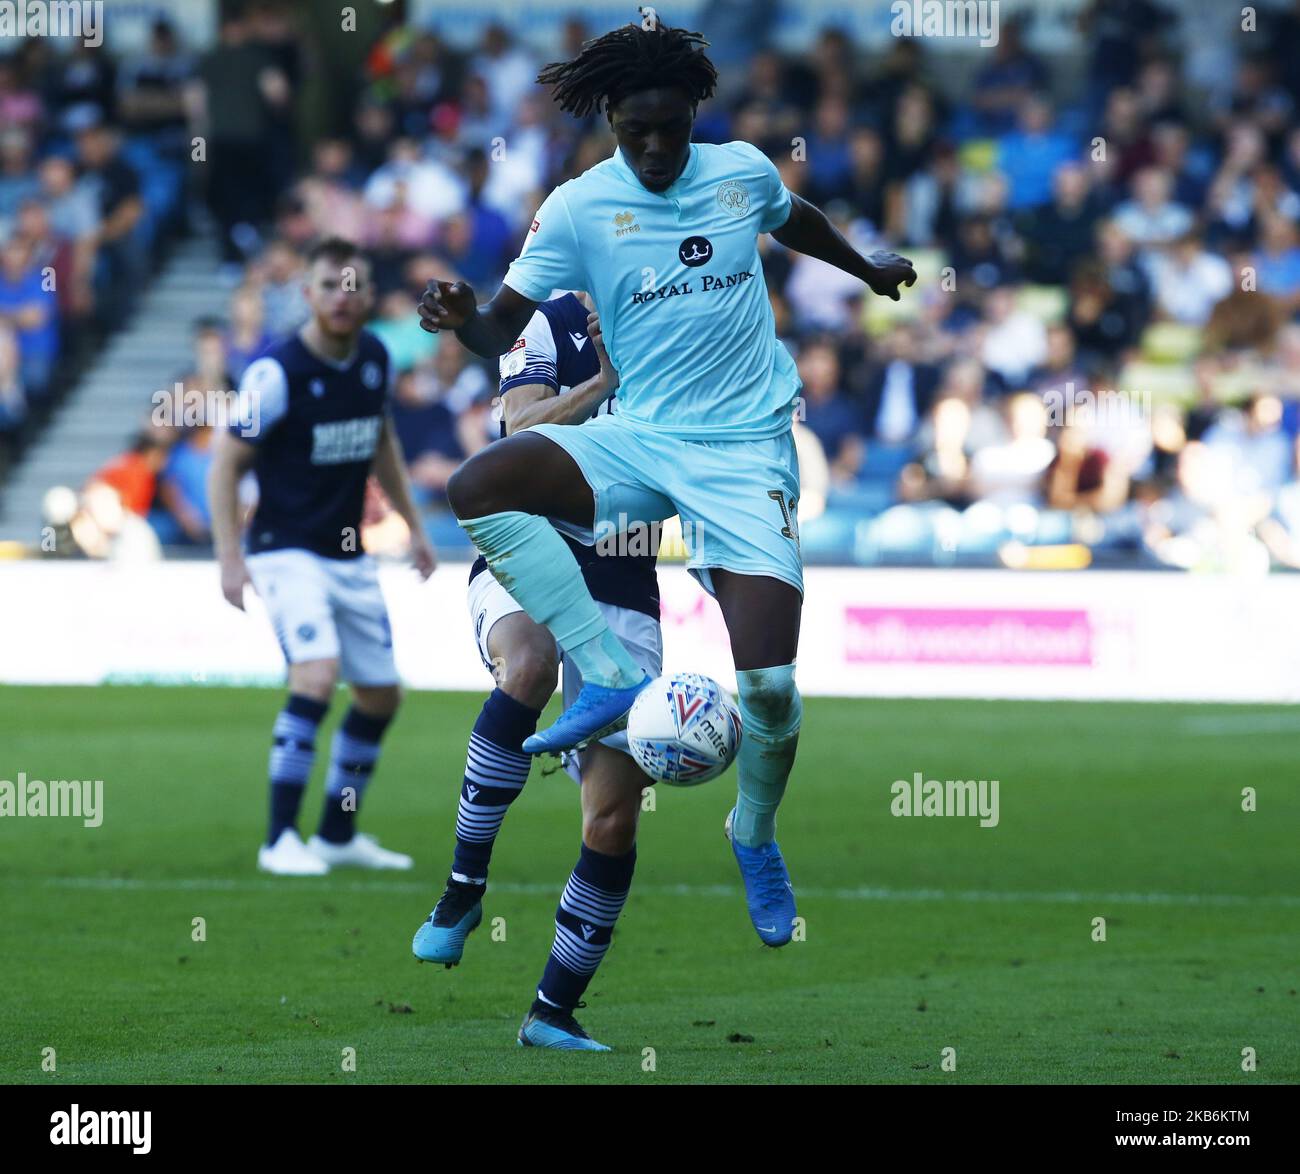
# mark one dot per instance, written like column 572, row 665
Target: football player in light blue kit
column 664, row 235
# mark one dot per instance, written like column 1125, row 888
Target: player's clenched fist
column 888, row 272
column 607, row 372
column 423, row 555
column 446, row 305
column 234, row 577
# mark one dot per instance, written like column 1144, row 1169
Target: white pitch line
column 976, row 896
column 1222, row 725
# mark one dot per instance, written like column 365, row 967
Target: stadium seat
column 903, row 532
column 1047, row 303
column 1163, row 383
column 884, row 462
column 1054, row 526
column 983, row 528
column 1170, row 342
column 829, row 538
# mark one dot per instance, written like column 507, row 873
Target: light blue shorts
column 737, row 499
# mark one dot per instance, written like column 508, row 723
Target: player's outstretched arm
column 231, row 459
column 487, row 330
column 390, row 471
column 808, row 231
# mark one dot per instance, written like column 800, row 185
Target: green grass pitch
column 921, row 934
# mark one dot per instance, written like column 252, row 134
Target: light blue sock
column 770, row 712
column 531, row 561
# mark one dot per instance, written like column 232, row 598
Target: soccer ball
column 684, row 729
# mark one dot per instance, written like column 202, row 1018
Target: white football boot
column 288, row 856
column 362, row 851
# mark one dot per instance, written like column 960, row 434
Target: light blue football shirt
column 678, row 284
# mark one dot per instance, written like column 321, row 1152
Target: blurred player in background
column 556, row 372
column 664, row 235
column 313, row 424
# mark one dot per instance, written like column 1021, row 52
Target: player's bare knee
column 461, row 492
column 314, row 678
column 377, row 700
column 611, row 832
column 471, row 491
column 530, row 673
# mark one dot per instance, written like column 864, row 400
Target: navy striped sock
column 584, row 924
column 496, row 769
column 293, row 750
column 352, row 761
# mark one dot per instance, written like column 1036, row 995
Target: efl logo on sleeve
column 512, row 362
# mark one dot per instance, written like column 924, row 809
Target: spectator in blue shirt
column 1029, row 156
column 1006, row 83
column 13, row 403
column 32, row 310
column 182, row 491
column 1277, row 264
column 18, row 180
column 832, row 416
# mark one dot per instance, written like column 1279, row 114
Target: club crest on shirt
column 733, row 197
column 371, row 375
column 317, row 387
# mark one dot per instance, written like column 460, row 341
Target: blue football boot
column 595, row 712
column 551, row 1027
column 442, row 937
column 768, row 891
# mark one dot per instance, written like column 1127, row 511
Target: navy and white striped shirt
column 556, row 351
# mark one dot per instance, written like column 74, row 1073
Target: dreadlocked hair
column 627, row 60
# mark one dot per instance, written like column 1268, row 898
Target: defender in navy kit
column 313, row 426
column 556, row 372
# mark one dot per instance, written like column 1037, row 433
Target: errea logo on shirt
column 625, row 224
column 342, row 441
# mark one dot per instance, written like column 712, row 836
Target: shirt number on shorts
column 791, row 528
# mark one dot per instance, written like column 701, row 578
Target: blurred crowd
column 1102, row 353
column 93, row 156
